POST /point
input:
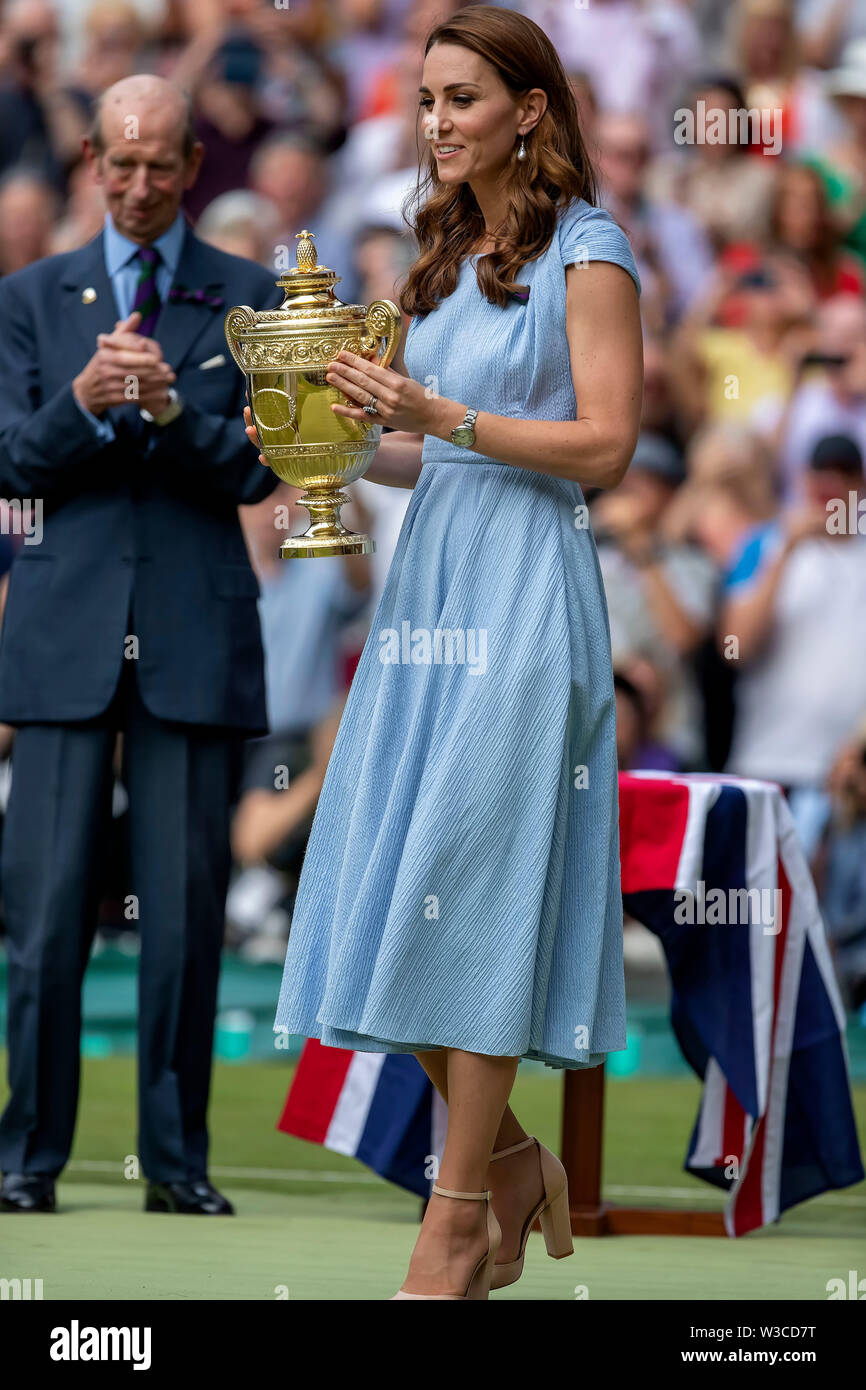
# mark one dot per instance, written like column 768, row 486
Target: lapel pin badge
column 88, row 296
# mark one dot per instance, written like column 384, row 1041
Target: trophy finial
column 307, row 257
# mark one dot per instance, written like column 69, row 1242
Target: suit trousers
column 181, row 781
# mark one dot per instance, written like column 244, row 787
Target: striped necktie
column 147, row 301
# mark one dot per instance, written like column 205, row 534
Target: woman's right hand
column 250, row 430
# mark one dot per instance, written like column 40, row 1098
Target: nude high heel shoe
column 479, row 1282
column 552, row 1211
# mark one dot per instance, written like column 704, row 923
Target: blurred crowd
column 730, row 141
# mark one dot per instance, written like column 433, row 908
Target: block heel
column 556, row 1226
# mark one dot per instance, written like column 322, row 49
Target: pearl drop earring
column 521, row 153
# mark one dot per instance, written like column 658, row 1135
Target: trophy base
column 311, row 547
column 327, row 535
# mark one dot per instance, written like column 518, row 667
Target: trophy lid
column 307, row 281
column 311, row 325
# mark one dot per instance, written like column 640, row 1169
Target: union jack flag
column 713, row 866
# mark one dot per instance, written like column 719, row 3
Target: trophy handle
column 236, row 321
column 384, row 323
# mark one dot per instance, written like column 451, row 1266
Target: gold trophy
column 284, row 354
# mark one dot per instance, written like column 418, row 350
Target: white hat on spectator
column 849, row 79
column 383, row 200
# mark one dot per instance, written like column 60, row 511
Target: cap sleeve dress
column 461, row 882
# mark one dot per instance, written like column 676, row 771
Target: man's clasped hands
column 125, row 367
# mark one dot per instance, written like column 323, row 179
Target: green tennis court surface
column 314, row 1225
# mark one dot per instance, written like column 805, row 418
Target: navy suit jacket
column 128, row 529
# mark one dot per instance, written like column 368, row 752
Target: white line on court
column 301, row 1175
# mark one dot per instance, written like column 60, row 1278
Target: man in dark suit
column 121, row 418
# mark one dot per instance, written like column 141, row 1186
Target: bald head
column 143, row 99
column 144, row 154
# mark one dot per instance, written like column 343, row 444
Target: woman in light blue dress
column 460, row 895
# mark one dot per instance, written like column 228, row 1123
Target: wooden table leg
column 582, row 1143
column 582, row 1133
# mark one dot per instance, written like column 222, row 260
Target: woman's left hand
column 401, row 402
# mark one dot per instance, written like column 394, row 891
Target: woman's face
column 464, row 103
column 708, row 102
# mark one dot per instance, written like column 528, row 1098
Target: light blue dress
column 461, row 883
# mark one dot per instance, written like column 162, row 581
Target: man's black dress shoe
column 27, row 1192
column 198, row 1198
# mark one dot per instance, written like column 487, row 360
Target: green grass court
column 322, row 1227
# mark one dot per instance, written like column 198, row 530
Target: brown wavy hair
column 556, row 169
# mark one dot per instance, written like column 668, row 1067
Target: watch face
column 463, row 436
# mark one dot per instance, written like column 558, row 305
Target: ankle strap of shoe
column 466, row 1196
column 515, row 1148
